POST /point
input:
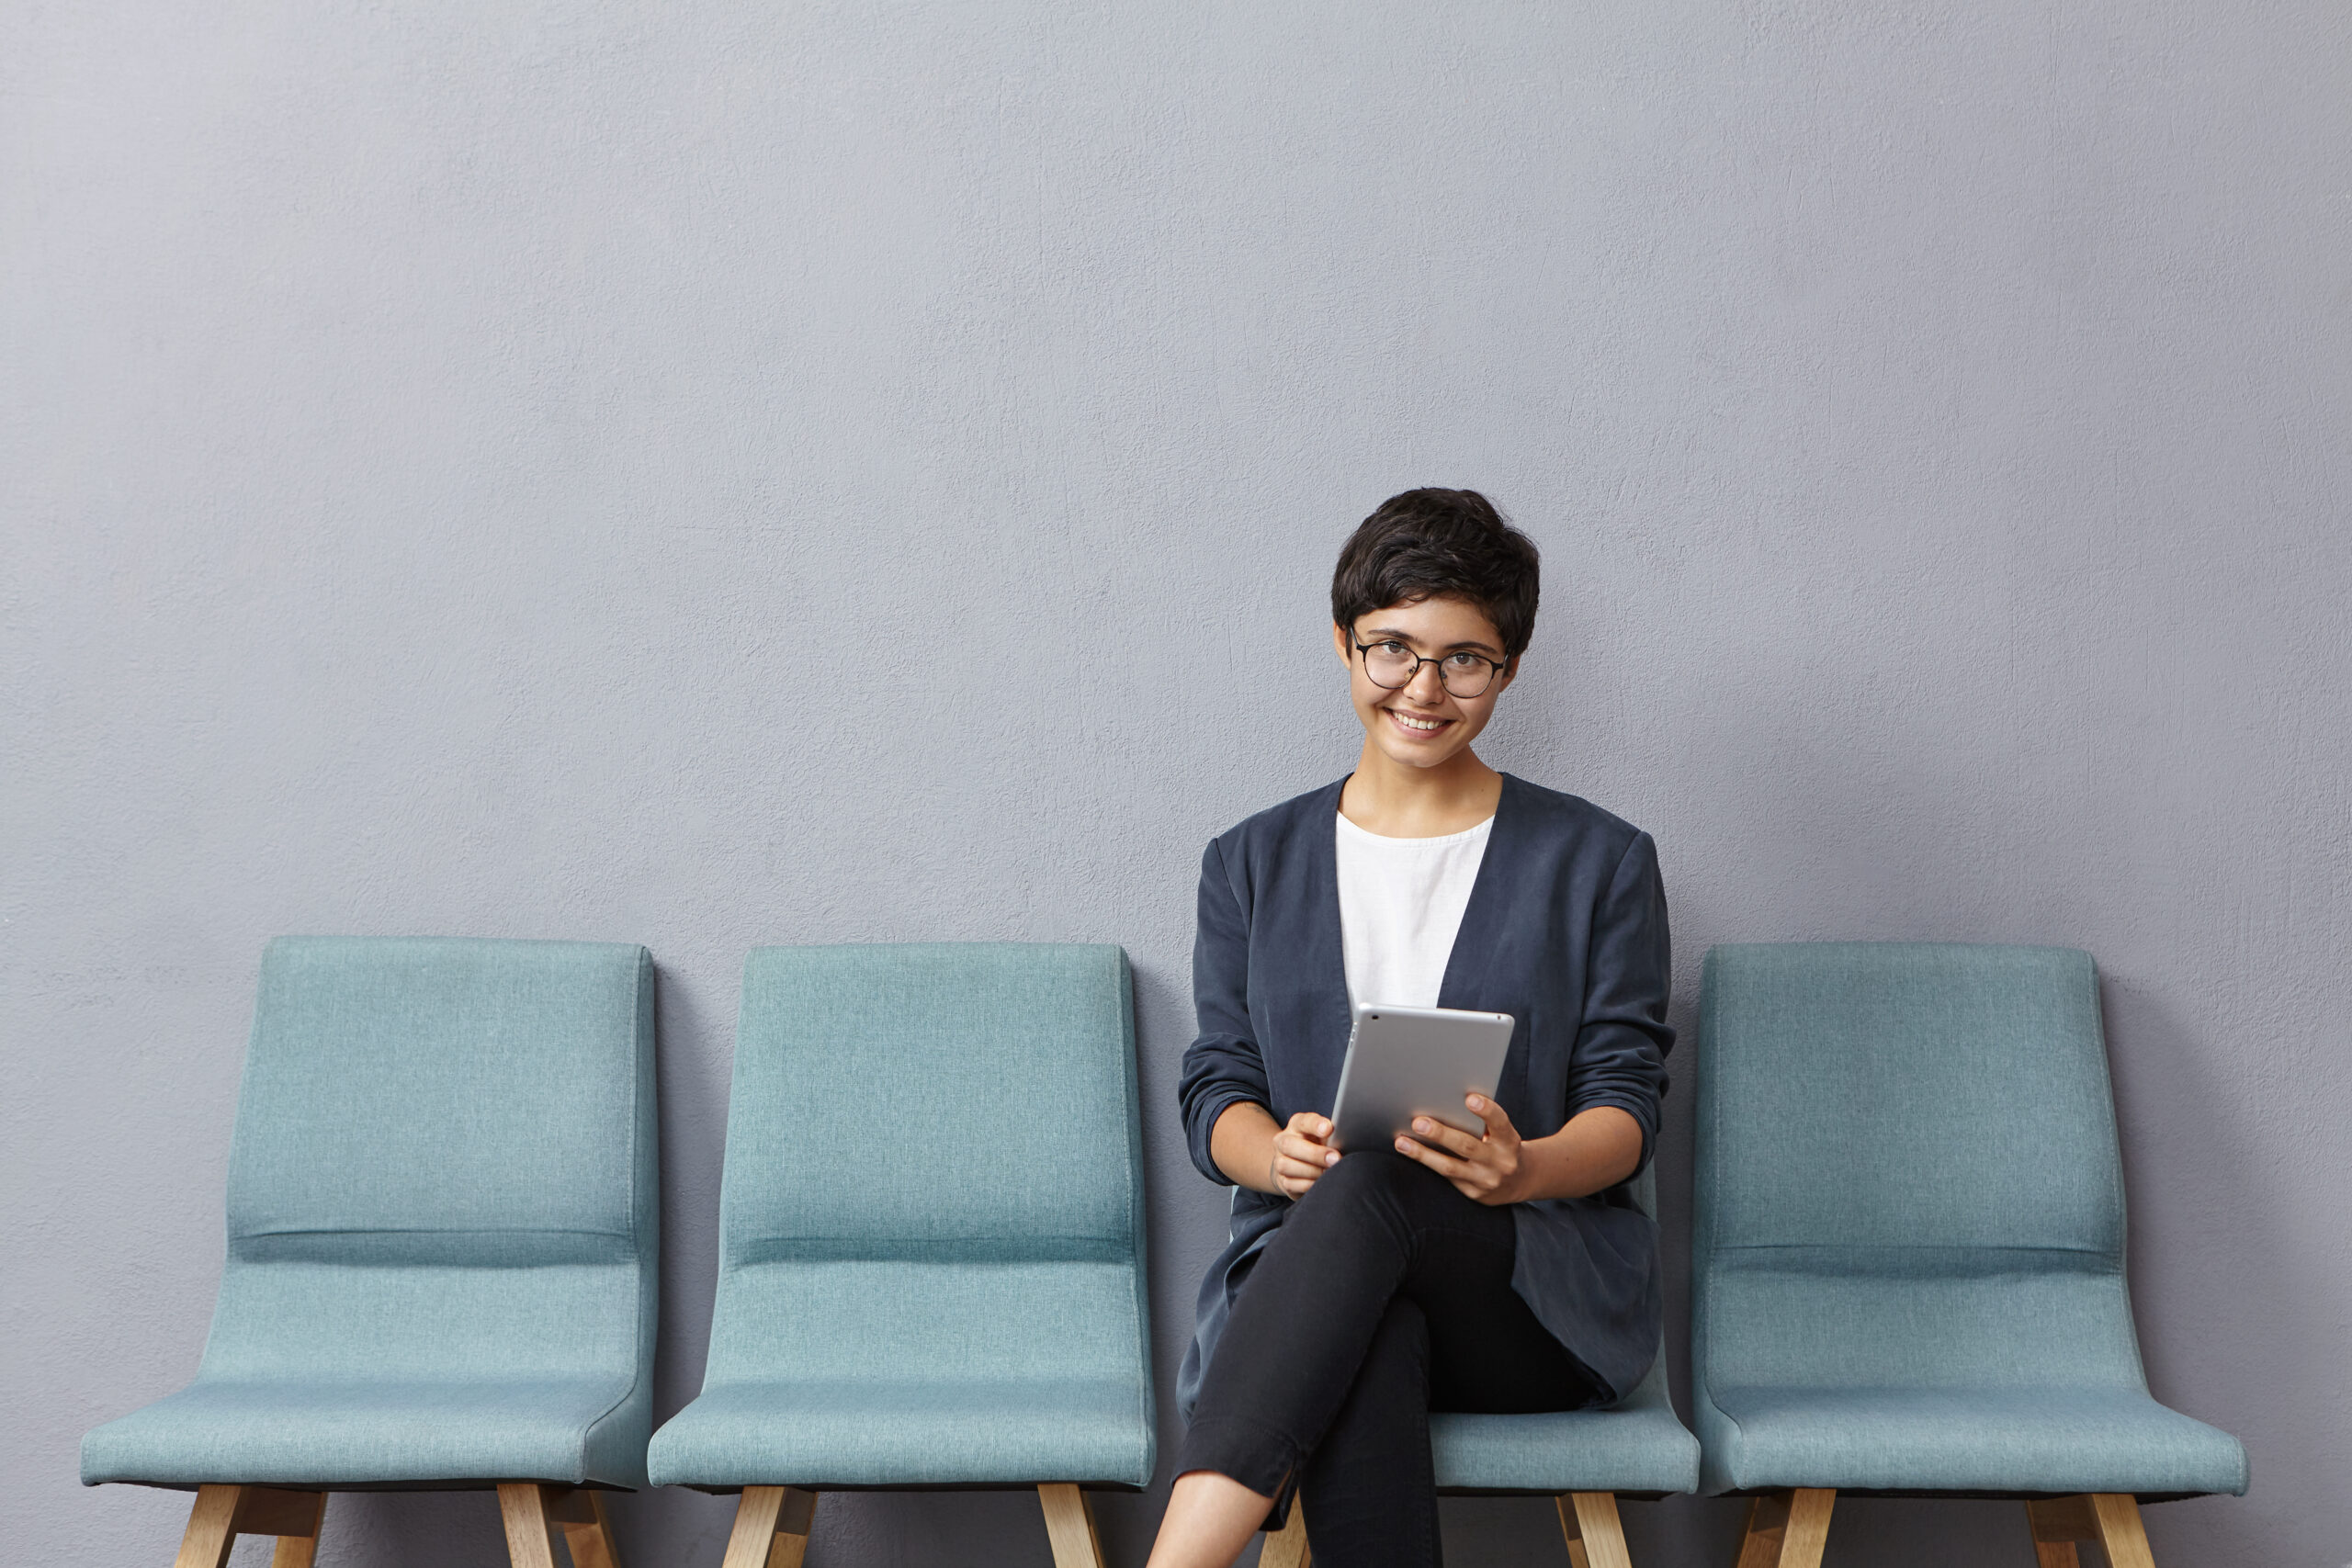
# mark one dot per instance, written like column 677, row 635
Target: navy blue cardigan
column 1565, row 931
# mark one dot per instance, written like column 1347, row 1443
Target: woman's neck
column 1398, row 802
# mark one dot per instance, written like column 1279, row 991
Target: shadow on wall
column 2166, row 1098
column 383, row 1530
column 693, row 1133
column 1185, row 1228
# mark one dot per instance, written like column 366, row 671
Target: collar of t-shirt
column 1400, row 907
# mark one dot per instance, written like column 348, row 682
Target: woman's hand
column 1302, row 1154
column 1254, row 1152
column 1487, row 1170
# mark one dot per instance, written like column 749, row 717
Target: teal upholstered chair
column 1584, row 1460
column 1908, row 1249
column 930, row 1240
column 442, row 1240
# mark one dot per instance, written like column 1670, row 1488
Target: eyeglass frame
column 1493, row 667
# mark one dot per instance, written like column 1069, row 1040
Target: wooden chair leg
column 579, row 1512
column 2057, row 1524
column 1287, row 1547
column 1596, row 1539
column 1788, row 1529
column 2110, row 1518
column 530, row 1534
column 293, row 1516
column 2118, row 1515
column 772, row 1525
column 1578, row 1556
column 294, row 1551
column 795, row 1517
column 221, row 1514
column 211, row 1528
column 1069, row 1526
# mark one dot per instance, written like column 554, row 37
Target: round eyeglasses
column 1393, row 665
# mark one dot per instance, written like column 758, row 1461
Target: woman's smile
column 1418, row 726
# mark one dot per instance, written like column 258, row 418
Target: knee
column 1365, row 1177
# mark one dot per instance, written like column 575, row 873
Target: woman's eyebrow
column 1389, row 634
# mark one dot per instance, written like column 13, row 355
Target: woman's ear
column 1344, row 645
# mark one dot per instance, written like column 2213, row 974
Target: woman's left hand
column 1487, row 1170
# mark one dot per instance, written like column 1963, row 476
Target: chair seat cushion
column 871, row 1433
column 1633, row 1449
column 361, row 1433
column 1997, row 1441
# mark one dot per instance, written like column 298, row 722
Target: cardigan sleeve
column 1620, row 1056
column 1223, row 1067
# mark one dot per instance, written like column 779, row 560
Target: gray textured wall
column 726, row 474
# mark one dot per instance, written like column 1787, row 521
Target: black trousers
column 1385, row 1295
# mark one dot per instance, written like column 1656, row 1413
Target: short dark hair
column 1440, row 544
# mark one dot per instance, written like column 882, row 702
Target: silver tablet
column 1409, row 1062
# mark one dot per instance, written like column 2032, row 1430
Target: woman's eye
column 1463, row 661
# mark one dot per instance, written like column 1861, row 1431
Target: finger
column 1476, row 1177
column 1298, row 1147
column 1308, row 1163
column 1308, row 1124
column 1291, row 1179
column 1430, row 1130
column 1446, row 1165
column 1310, row 1145
column 1497, row 1119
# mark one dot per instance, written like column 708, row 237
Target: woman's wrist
column 1599, row 1148
column 1241, row 1144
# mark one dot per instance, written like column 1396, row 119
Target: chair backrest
column 1906, row 1170
column 933, row 1167
column 444, row 1164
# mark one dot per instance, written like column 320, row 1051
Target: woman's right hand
column 1302, row 1154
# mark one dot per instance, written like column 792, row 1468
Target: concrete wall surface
column 722, row 473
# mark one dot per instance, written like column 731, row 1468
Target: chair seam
column 636, row 1093
column 429, row 1230
column 2109, row 1261
column 636, row 1096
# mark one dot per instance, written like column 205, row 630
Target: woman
column 1505, row 1273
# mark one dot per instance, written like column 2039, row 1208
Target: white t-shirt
column 1400, row 907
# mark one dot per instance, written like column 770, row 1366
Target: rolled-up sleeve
column 1620, row 1056
column 1223, row 1067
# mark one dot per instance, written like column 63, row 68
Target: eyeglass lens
column 1393, row 665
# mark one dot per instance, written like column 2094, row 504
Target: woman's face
column 1422, row 725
